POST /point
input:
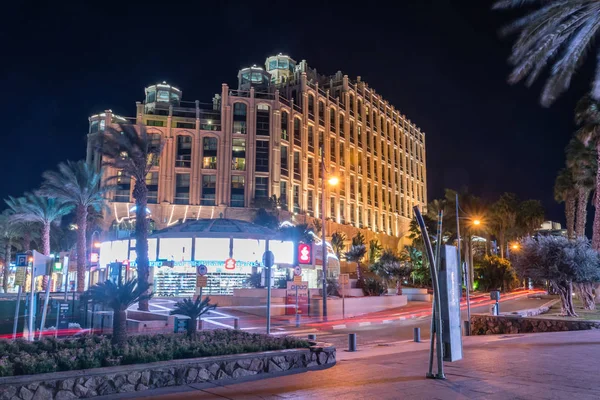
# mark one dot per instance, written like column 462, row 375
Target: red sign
column 230, row 263
column 304, row 254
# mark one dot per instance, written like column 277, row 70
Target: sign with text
column 304, row 254
column 290, row 299
column 201, row 281
column 20, row 275
column 297, row 279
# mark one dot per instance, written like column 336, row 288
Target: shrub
column 50, row 355
column 373, row 287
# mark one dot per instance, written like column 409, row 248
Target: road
column 378, row 328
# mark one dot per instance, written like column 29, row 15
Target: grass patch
column 51, row 355
column 583, row 315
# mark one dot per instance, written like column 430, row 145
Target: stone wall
column 139, row 377
column 509, row 324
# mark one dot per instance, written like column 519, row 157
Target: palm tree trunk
column 586, row 295
column 140, row 194
column 81, row 247
column 399, row 286
column 570, row 205
column 501, row 244
column 7, row 257
column 119, row 336
column 359, row 277
column 46, row 239
column 583, row 196
column 27, row 240
column 596, row 227
column 192, row 326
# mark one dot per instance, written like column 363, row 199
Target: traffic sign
column 20, row 276
column 297, row 279
column 297, row 270
column 268, row 259
column 202, row 270
column 202, row 281
column 344, row 279
column 21, row 260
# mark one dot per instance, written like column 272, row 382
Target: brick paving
column 536, row 366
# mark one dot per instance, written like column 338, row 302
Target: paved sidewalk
column 536, row 366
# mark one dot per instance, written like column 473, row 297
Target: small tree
column 356, row 254
column 119, row 298
column 264, row 218
column 374, row 251
column 337, row 242
column 495, row 273
column 193, row 309
column 390, row 269
column 559, row 261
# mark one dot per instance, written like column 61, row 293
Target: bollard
column 297, row 320
column 467, row 328
column 236, row 324
column 312, row 336
column 352, row 342
column 417, row 334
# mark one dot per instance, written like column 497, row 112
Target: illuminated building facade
column 226, row 158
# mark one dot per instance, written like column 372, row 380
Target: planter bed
column 243, row 356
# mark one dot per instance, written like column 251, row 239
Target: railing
column 263, row 95
column 239, row 93
column 284, row 100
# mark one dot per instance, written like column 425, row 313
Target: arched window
column 297, row 132
column 332, row 119
column 239, row 117
column 284, row 126
column 311, row 105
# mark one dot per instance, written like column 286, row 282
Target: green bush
column 373, row 287
column 50, row 355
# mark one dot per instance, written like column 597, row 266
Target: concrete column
column 251, row 149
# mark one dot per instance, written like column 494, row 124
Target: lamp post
column 332, row 181
column 92, row 246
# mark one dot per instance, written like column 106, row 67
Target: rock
column 67, row 384
column 42, row 394
column 229, row 367
column 106, row 388
column 245, row 363
column 141, row 387
column 322, row 358
column 80, row 390
column 91, row 383
column 273, row 367
column 64, row 395
column 119, row 380
column 222, row 375
column 128, row 387
column 256, row 365
column 133, row 377
column 203, row 375
column 7, row 392
column 145, row 378
column 191, row 375
column 240, row 372
column 33, row 386
column 214, row 368
column 24, row 393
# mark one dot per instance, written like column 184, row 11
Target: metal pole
column 352, row 342
column 297, row 321
column 17, row 310
column 31, row 304
column 57, row 318
column 323, row 236
column 44, row 310
column 268, row 276
column 344, row 301
column 466, row 274
column 417, row 334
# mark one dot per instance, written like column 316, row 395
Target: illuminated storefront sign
column 208, row 263
column 304, row 254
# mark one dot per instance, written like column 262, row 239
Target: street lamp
column 333, row 180
column 92, row 246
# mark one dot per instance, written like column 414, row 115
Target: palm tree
column 298, row 233
column 193, row 309
column 530, row 216
column 133, row 152
column 119, row 298
column 46, row 211
column 504, row 218
column 78, row 184
column 337, row 242
column 9, row 233
column 356, row 254
column 581, row 161
column 389, row 268
column 374, row 251
column 558, row 32
column 564, row 191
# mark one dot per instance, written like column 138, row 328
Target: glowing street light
column 476, row 222
column 97, row 245
column 334, row 180
column 515, row 246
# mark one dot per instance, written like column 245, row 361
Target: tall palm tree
column 530, row 216
column 78, row 184
column 504, row 218
column 119, row 298
column 133, row 152
column 9, row 233
column 581, row 161
column 557, row 32
column 193, row 309
column 564, row 191
column 46, row 211
column 587, row 116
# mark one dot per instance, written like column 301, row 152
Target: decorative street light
column 333, row 180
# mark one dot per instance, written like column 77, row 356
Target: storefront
column 232, row 251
